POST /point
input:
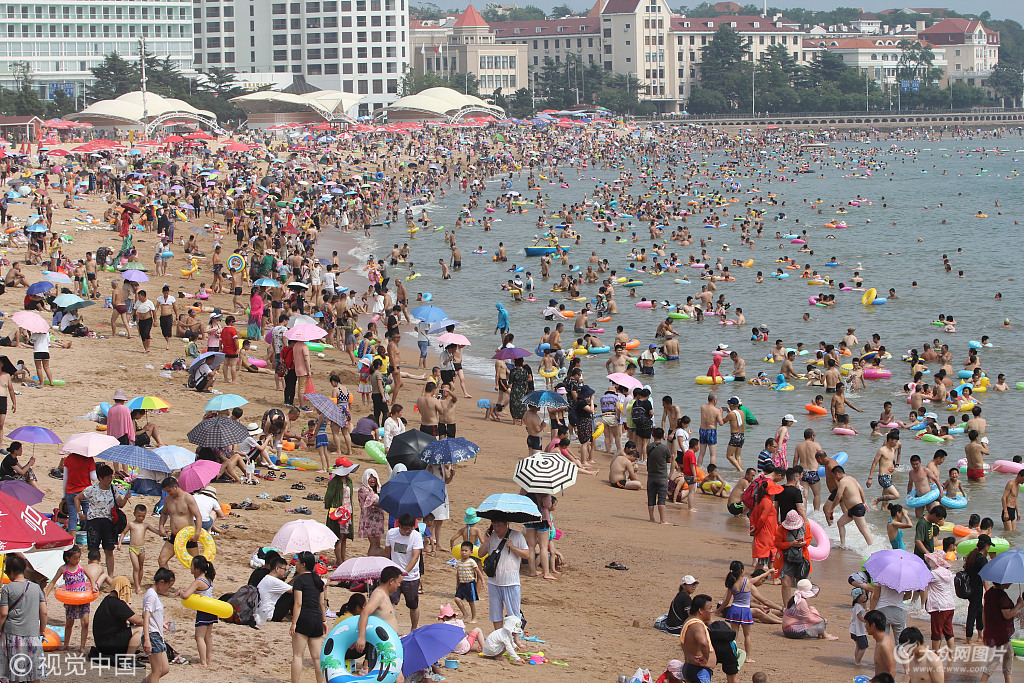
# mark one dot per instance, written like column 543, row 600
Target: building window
column 347, row 67
column 280, row 39
column 213, row 11
column 295, row 8
column 313, row 22
column 330, row 69
column 314, row 70
column 312, row 38
column 296, row 55
column 280, row 55
column 313, row 54
column 330, row 22
column 213, row 58
column 333, row 38
column 296, row 39
column 277, row 8
column 212, row 43
column 213, row 27
column 363, row 88
column 362, row 68
column 330, row 53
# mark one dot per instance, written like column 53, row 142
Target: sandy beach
column 596, row 620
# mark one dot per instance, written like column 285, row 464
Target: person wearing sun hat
column 793, row 539
column 119, row 419
column 468, row 532
column 475, row 637
column 338, row 501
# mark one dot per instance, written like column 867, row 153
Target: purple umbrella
column 511, row 354
column 26, row 493
column 33, row 435
column 898, row 570
column 135, row 276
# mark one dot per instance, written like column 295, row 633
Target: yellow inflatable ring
column 705, row 486
column 201, row 603
column 207, row 547
column 869, row 296
column 598, row 431
column 457, row 553
column 552, row 373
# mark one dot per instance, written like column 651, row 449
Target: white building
column 61, row 41
column 354, row 46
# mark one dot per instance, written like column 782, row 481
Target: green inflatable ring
column 999, row 545
column 375, row 449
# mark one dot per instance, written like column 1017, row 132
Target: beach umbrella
column 300, row 320
column 429, row 314
column 211, row 358
column 624, row 380
column 176, row 457
column 148, row 403
column 89, row 444
column 406, row 448
column 135, row 275
column 899, row 570
column 78, row 304
column 26, row 493
column 509, row 507
column 545, row 473
column 266, row 282
column 511, row 353
column 545, row 399
column 427, row 644
column 39, row 287
column 449, row 451
column 224, row 402
column 452, row 338
column 297, row 286
column 216, row 432
column 305, row 333
column 135, row 456
column 441, row 325
column 1007, row 567
column 33, row 435
column 362, row 569
column 198, row 474
column 328, row 408
column 57, row 278
column 304, row 534
column 26, row 529
column 38, row 227
column 411, row 492
column 65, row 300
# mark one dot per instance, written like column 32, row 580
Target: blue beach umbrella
column 413, row 492
column 429, row 314
column 266, row 282
column 38, row 227
column 427, row 644
column 510, row 507
column 135, row 456
column 545, row 399
column 449, row 451
column 1007, row 567
column 176, row 457
column 39, row 287
column 224, row 402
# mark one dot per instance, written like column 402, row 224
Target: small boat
column 541, row 251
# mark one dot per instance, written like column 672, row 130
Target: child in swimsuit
column 136, row 532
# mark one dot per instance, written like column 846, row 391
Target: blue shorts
column 467, row 592
column 157, row 643
column 423, row 348
column 708, row 436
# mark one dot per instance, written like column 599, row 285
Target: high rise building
column 356, row 46
column 61, row 41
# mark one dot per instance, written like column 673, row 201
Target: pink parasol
column 89, row 444
column 305, row 333
column 624, row 380
column 452, row 338
column 197, row 475
column 303, row 534
column 30, row 321
column 362, row 568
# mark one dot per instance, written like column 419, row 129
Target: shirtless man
column 788, row 371
column 830, row 479
column 850, row 339
column 710, row 419
column 735, row 503
column 622, row 471
column 379, row 605
column 924, row 665
column 671, row 347
column 1009, row 501
column 803, row 455
column 976, row 422
column 778, row 351
column 851, row 496
column 976, row 451
column 534, row 424
column 877, row 628
column 737, row 425
column 920, row 482
column 430, row 408
column 395, row 366
column 832, row 376
column 840, row 403
column 739, row 367
column 670, row 414
column 699, row 658
column 886, row 460
column 619, row 361
column 181, row 510
column 446, row 418
column 120, row 309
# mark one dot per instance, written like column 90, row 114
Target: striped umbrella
column 545, row 473
column 134, row 456
column 328, row 408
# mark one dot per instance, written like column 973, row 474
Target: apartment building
column 972, row 50
column 61, row 41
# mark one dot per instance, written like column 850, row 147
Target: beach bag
column 962, row 585
column 491, row 561
column 641, row 676
column 245, row 601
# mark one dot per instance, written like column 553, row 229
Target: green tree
column 916, row 61
column 413, row 82
column 705, row 101
column 520, row 104
column 721, row 55
column 528, row 13
column 26, row 100
column 827, row 67
column 965, row 96
column 113, row 76
column 61, row 105
column 620, row 93
column 1007, row 83
column 560, row 12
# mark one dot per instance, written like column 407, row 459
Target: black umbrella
column 216, row 432
column 406, row 449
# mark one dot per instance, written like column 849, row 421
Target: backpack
column 641, row 419
column 751, row 491
column 245, row 601
column 962, row 585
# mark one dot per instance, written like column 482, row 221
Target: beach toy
column 600, row 349
column 843, row 431
column 708, row 486
column 384, row 652
column 869, row 296
column 841, row 457
column 920, row 501
column 960, row 501
column 877, row 373
column 69, row 597
column 201, row 603
column 547, row 373
column 236, row 262
column 815, row 409
column 822, row 545
column 375, row 449
column 961, row 530
column 207, row 548
column 1018, row 647
column 315, row 347
column 257, row 362
column 999, row 545
column 304, row 464
column 931, row 438
column 705, row 379
column 678, row 316
column 457, row 553
column 632, row 344
column 56, row 382
column 52, row 638
column 598, row 431
column 1004, row 466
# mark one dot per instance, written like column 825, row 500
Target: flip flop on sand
column 616, row 566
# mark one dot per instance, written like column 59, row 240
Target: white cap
column 688, row 580
column 788, row 417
